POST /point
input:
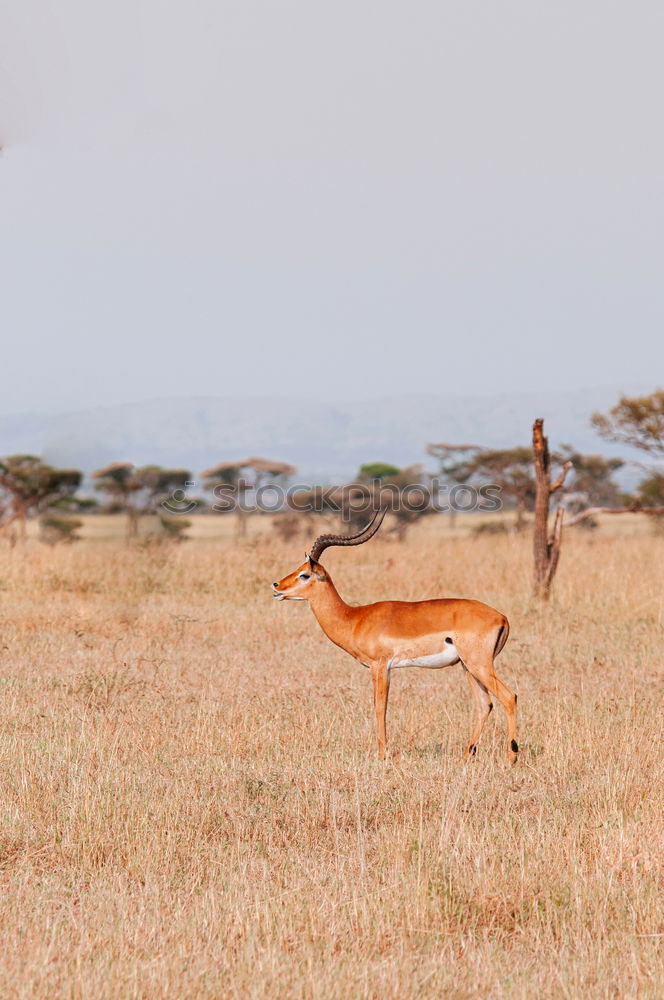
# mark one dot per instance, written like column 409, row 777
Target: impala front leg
column 380, row 675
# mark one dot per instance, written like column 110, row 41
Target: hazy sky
column 335, row 199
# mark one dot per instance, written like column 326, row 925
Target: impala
column 435, row 633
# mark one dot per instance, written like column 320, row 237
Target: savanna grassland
column 191, row 806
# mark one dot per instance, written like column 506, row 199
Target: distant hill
column 323, row 439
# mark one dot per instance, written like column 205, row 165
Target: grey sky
column 328, row 199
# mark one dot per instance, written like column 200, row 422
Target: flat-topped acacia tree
column 453, row 461
column 511, row 469
column 591, row 477
column 118, row 482
column 28, row 485
column 138, row 491
column 637, row 421
column 404, row 492
column 159, row 483
column 232, row 481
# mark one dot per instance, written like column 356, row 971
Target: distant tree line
column 31, row 487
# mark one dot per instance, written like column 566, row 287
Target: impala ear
column 310, row 561
column 318, row 571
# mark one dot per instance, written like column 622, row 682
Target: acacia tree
column 651, row 490
column 372, row 472
column 635, row 420
column 453, row 465
column 28, row 485
column 509, row 468
column 304, row 504
column 592, row 476
column 159, row 484
column 402, row 491
column 232, row 481
column 139, row 491
column 119, row 483
column 591, row 482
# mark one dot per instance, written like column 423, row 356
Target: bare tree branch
column 561, row 477
column 633, row 508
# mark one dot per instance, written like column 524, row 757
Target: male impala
column 388, row 634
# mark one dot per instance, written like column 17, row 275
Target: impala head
column 302, row 582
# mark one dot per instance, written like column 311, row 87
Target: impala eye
column 303, row 576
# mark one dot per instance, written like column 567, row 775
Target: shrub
column 54, row 529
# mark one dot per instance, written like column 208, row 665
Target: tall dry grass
column 191, row 807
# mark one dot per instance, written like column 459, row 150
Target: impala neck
column 334, row 616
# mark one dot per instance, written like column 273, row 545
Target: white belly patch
column 445, row 658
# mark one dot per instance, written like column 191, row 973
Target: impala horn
column 325, row 541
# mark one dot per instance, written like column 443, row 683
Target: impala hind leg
column 484, row 672
column 380, row 675
column 484, row 706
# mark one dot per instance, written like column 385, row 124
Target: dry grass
column 191, row 807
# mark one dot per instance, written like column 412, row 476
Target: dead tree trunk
column 546, row 547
